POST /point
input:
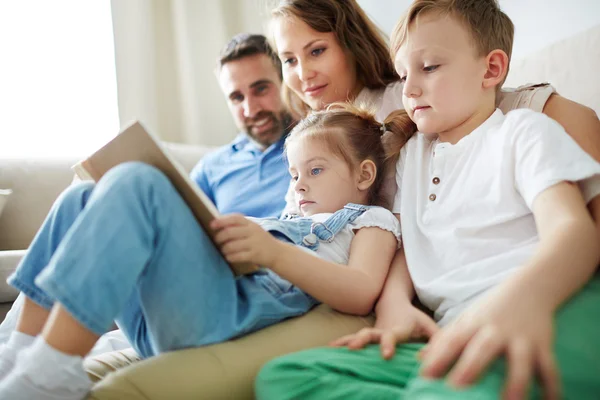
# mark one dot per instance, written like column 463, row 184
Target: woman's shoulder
column 532, row 96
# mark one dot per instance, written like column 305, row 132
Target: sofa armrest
column 9, row 259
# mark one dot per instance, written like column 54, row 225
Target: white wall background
column 169, row 83
column 538, row 23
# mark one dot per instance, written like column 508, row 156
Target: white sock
column 9, row 350
column 44, row 373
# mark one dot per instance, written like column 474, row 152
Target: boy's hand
column 515, row 326
column 411, row 324
column 242, row 240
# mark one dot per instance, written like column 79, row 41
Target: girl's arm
column 580, row 122
column 351, row 289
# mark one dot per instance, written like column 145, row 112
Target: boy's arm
column 516, row 318
column 568, row 252
column 397, row 293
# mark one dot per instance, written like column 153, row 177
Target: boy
column 496, row 236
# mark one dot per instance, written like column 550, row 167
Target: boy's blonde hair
column 489, row 27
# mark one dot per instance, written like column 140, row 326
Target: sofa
column 222, row 371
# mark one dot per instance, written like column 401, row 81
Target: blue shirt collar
column 243, row 143
column 240, row 142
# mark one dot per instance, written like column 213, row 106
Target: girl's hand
column 515, row 326
column 242, row 240
column 411, row 324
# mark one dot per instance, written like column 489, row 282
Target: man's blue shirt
column 241, row 178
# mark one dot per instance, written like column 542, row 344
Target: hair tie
column 382, row 128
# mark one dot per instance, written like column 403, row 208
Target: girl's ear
column 497, row 68
column 367, row 174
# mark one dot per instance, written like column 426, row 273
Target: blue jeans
column 128, row 249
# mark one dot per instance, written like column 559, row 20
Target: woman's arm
column 580, row 122
column 351, row 289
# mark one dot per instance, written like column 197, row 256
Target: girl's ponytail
column 398, row 129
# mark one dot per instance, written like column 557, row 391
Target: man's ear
column 367, row 174
column 497, row 68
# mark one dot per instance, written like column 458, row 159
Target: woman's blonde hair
column 356, row 33
column 352, row 133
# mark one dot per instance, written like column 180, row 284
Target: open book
column 134, row 143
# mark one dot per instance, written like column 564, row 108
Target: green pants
column 339, row 373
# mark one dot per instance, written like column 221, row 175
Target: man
column 249, row 175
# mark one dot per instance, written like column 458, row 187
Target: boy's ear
column 367, row 174
column 497, row 68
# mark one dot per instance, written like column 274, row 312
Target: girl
column 129, row 250
column 332, row 52
column 498, row 239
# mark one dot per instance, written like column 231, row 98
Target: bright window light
column 58, row 90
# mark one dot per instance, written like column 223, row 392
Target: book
column 135, row 143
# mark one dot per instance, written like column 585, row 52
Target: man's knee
column 134, row 178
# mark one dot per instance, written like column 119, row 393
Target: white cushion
column 9, row 260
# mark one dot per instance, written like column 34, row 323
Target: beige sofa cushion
column 222, row 371
column 4, row 193
column 8, row 262
column 37, row 182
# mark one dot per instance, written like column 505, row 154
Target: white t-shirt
column 338, row 250
column 465, row 209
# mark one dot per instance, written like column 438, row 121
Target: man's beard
column 280, row 123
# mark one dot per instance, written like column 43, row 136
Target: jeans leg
column 139, row 248
column 63, row 214
column 132, row 322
